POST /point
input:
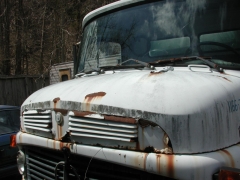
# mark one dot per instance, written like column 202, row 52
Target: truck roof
column 107, row 8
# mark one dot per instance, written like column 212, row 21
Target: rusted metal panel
column 185, row 167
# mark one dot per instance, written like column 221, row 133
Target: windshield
column 163, row 30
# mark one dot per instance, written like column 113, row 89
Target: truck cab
column 156, row 95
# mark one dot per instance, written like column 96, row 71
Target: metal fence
column 15, row 89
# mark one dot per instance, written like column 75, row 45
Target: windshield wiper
column 205, row 60
column 120, row 65
column 147, row 65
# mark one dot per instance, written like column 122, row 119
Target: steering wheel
column 216, row 44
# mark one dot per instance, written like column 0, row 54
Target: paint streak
column 94, row 96
column 145, row 160
column 158, row 165
column 120, row 119
column 59, row 132
column 229, row 156
column 170, row 166
column 226, row 79
column 55, row 100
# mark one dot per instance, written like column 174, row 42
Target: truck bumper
column 177, row 166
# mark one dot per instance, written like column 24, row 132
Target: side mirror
column 76, row 55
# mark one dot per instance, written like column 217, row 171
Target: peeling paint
column 82, row 113
column 120, row 119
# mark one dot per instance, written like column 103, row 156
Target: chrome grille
column 38, row 121
column 98, row 127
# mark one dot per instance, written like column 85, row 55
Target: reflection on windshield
column 163, row 30
column 9, row 121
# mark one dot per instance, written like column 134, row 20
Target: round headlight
column 20, row 161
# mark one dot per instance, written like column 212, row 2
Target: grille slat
column 35, row 177
column 100, row 122
column 106, row 128
column 41, row 170
column 40, row 164
column 97, row 127
column 38, row 120
column 27, row 116
column 38, row 124
column 40, row 174
column 99, row 132
column 40, row 129
column 100, row 136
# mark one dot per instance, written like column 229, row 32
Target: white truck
column 156, row 95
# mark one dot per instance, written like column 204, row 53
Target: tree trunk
column 18, row 16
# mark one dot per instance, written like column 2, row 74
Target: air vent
column 38, row 122
column 99, row 127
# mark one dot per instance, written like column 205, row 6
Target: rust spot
column 55, row 100
column 152, row 73
column 229, row 156
column 90, row 97
column 120, row 119
column 61, row 145
column 82, row 114
column 170, row 166
column 62, row 111
column 133, row 140
column 226, row 79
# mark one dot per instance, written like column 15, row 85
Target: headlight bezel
column 21, row 159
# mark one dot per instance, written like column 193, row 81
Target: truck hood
column 198, row 110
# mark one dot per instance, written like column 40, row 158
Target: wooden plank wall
column 14, row 90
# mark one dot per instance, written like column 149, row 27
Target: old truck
column 156, row 95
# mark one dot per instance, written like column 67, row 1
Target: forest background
column 35, row 34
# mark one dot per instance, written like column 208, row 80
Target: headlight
column 21, row 161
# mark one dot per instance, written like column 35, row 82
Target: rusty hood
column 199, row 111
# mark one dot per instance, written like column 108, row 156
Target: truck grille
column 38, row 122
column 41, row 163
column 101, row 128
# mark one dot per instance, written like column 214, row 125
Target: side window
column 9, row 121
